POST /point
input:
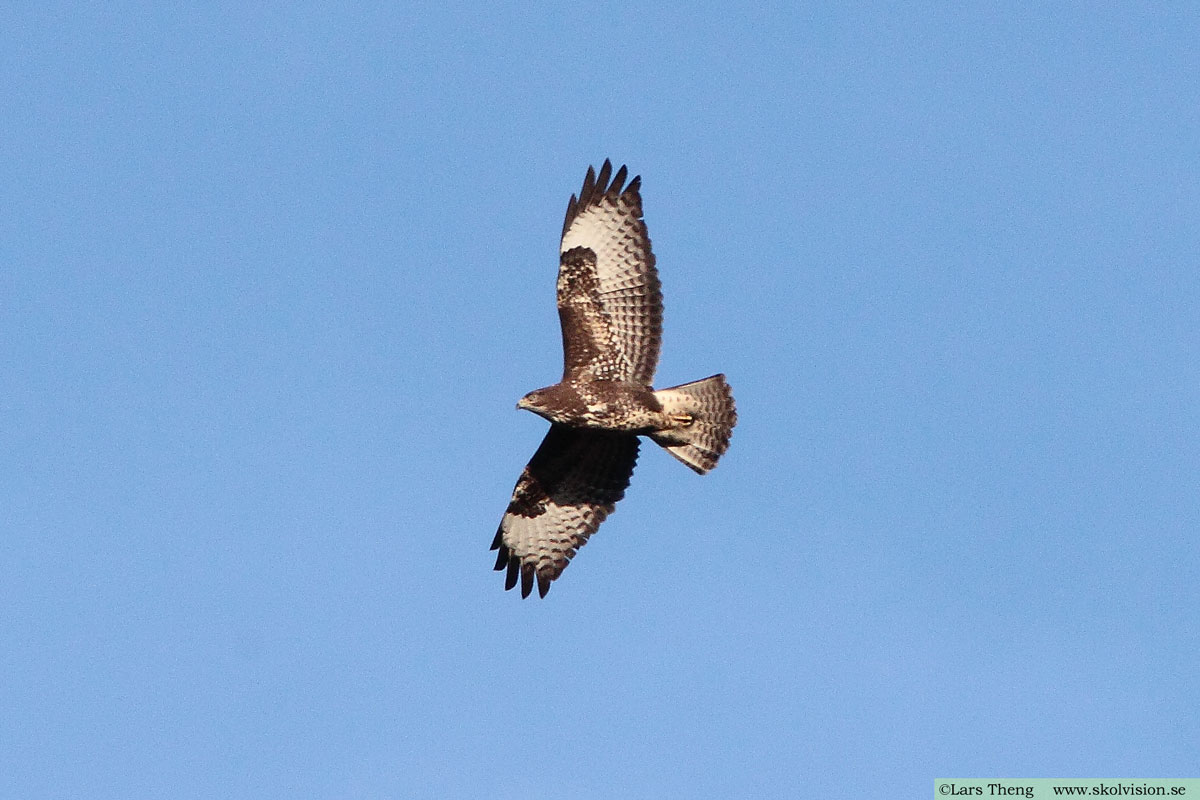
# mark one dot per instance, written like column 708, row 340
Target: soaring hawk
column 610, row 308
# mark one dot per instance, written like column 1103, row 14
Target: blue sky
column 273, row 278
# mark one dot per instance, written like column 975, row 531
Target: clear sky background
column 272, row 278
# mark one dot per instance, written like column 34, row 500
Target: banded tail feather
column 706, row 414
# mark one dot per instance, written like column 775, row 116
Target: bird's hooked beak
column 525, row 403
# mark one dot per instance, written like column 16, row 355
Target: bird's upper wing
column 569, row 486
column 609, row 298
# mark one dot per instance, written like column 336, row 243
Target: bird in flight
column 610, row 308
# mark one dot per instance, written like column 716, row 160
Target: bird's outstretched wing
column 569, row 486
column 609, row 297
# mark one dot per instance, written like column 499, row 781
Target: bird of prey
column 610, row 308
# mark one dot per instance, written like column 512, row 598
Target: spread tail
column 703, row 414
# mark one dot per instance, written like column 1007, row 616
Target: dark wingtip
column 589, row 183
column 498, row 544
column 543, row 584
column 570, row 215
column 514, row 567
column 526, row 580
column 502, row 559
column 618, row 180
column 605, row 174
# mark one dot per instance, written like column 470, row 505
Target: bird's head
column 540, row 402
column 534, row 401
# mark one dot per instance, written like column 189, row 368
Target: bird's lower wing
column 568, row 488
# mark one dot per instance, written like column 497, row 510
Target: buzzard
column 610, row 308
